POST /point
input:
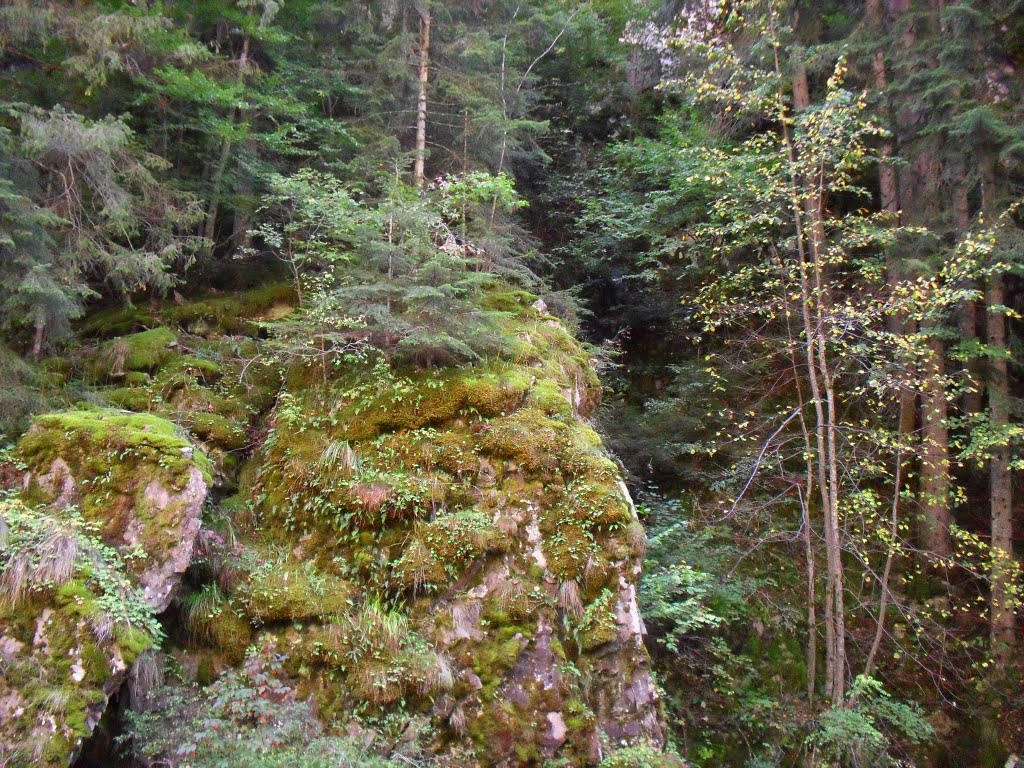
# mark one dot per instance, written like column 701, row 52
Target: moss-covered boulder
column 96, row 536
column 145, row 351
column 449, row 550
column 132, row 476
column 480, row 547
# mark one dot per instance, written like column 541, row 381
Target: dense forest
column 630, row 383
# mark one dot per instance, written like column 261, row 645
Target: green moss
column 218, row 430
column 205, row 671
column 598, row 627
column 493, row 659
column 234, row 313
column 579, row 718
column 132, row 642
column 231, row 634
column 24, row 390
column 548, row 397
column 518, row 303
column 281, row 590
column 597, row 504
column 91, row 438
column 129, row 398
column 435, row 402
column 137, row 379
column 205, row 370
column 569, row 547
column 114, row 457
column 145, row 351
column 642, row 756
column 778, row 656
column 76, row 600
column 496, row 393
column 117, row 321
column 528, row 437
column 440, row 550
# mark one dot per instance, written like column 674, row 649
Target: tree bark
column 1002, row 618
column 217, row 180
column 889, row 198
column 935, row 480
column 1001, row 477
column 418, row 173
column 967, row 317
column 37, row 339
column 919, row 186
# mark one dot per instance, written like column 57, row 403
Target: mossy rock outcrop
column 132, row 476
column 487, row 546
column 200, row 364
column 101, row 530
column 447, row 548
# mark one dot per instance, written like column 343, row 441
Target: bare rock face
column 488, row 548
column 104, row 527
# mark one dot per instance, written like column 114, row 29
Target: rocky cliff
column 451, row 546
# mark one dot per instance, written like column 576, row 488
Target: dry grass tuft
column 569, row 599
column 48, row 564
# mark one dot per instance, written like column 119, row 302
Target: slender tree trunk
column 418, row 173
column 1001, row 480
column 889, row 197
column 919, row 190
column 883, row 602
column 37, row 339
column 806, row 494
column 1001, row 609
column 813, row 293
column 213, row 208
column 240, row 235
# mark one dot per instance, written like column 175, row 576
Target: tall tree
column 423, row 76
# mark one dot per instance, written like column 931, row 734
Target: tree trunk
column 920, row 185
column 213, row 208
column 813, row 294
column 418, row 174
column 241, row 238
column 1001, row 479
column 889, row 197
column 935, row 481
column 967, row 317
column 37, row 340
column 216, row 181
column 1001, row 608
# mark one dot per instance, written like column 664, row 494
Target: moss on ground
column 234, row 314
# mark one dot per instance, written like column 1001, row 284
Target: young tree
column 111, row 218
